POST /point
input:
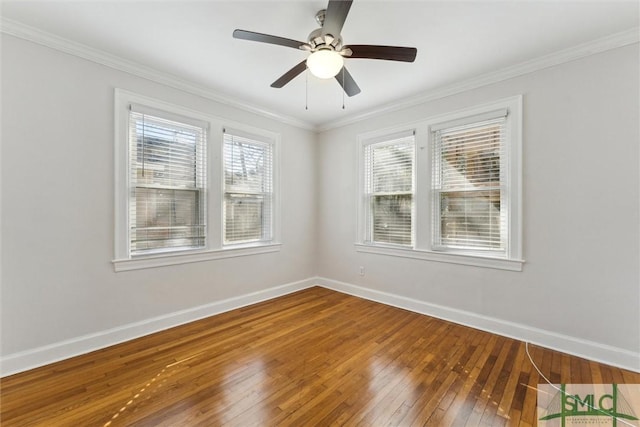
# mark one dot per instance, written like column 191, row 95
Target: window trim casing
column 213, row 249
column 423, row 194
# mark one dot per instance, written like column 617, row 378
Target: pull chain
column 306, row 89
column 343, row 88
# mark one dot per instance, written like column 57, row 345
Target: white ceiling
column 456, row 40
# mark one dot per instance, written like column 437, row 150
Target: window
column 248, row 189
column 449, row 190
column 167, row 179
column 470, row 210
column 388, row 167
column 186, row 190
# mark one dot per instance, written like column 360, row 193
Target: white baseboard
column 613, row 356
column 29, row 359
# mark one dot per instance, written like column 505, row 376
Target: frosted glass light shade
column 325, row 64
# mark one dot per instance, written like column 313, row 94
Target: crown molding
column 35, row 35
column 593, row 47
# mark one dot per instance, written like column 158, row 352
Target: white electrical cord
column 526, row 348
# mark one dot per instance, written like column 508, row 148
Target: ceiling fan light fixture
column 325, row 63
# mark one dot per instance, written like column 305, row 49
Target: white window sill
column 477, row 261
column 175, row 258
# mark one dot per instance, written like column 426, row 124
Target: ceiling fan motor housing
column 318, row 41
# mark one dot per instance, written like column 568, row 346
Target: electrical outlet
column 361, row 270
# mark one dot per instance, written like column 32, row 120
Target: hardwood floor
column 316, row 357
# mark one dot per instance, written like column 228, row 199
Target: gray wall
column 581, row 208
column 58, row 282
column 580, row 203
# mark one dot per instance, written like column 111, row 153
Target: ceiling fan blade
column 335, row 16
column 389, row 53
column 346, row 81
column 290, row 75
column 266, row 38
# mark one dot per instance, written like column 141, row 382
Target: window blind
column 167, row 181
column 469, row 186
column 388, row 171
column 248, row 190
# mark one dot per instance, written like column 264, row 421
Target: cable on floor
column 526, row 348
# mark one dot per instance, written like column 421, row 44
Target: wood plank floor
column 315, row 357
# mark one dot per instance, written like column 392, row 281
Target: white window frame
column 365, row 217
column 423, row 195
column 137, row 115
column 214, row 249
column 258, row 139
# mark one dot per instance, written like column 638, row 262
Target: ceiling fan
column 327, row 53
